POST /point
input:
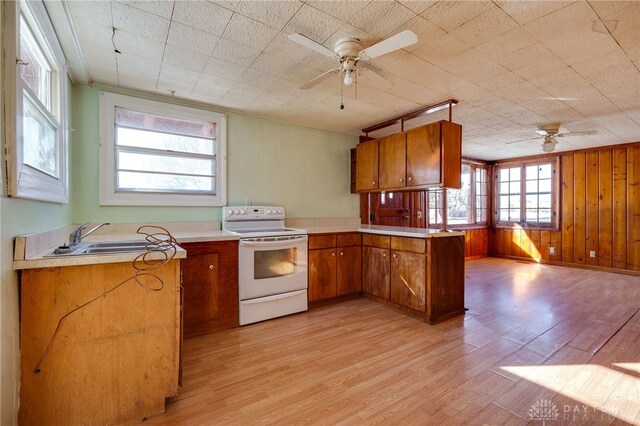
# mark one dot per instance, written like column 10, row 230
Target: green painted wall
column 269, row 162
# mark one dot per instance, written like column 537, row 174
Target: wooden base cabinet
column 335, row 265
column 422, row 277
column 115, row 357
column 210, row 282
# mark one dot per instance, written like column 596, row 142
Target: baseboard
column 570, row 265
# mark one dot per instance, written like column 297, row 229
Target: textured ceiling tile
column 604, row 9
column 273, row 65
column 586, row 42
column 236, row 101
column 250, row 91
column 248, row 32
column 500, row 82
column 96, row 55
column 485, row 27
column 275, row 95
column 191, row 38
column 138, row 22
column 177, row 56
column 618, row 77
column 98, row 12
column 235, row 53
column 265, row 12
column 343, row 10
column 284, row 48
column 93, row 34
column 207, row 94
column 439, row 80
column 257, row 78
column 561, row 21
column 232, row 5
column 139, row 47
column 179, row 87
column 561, row 84
column 313, row 24
column 103, row 74
column 451, row 14
column 162, row 8
column 425, row 30
column 179, row 73
column 380, row 17
column 473, row 66
column 203, row 15
column 441, row 49
column 146, row 66
column 526, row 11
column 215, row 82
column 507, row 43
column 136, row 80
column 301, row 73
column 412, row 92
column 223, row 69
column 625, row 27
column 417, row 6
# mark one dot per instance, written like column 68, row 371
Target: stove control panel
column 252, row 213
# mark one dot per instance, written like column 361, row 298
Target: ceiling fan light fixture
column 348, row 77
column 548, row 146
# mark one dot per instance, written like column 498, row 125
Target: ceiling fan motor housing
column 349, row 48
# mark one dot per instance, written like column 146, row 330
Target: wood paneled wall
column 600, row 212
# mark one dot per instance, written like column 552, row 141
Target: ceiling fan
column 353, row 57
column 549, row 132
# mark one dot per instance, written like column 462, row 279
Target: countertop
column 400, row 231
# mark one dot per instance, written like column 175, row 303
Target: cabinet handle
column 395, row 256
column 410, row 178
column 384, row 255
column 210, row 266
column 374, row 182
column 401, row 180
column 341, row 253
column 333, row 253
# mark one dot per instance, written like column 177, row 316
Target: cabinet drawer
column 416, row 245
column 352, row 239
column 376, row 241
column 322, row 241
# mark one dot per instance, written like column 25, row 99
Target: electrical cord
column 159, row 240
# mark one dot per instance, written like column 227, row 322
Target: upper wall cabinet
column 367, row 166
column 425, row 157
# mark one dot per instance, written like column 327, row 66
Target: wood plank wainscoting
column 533, row 332
column 599, row 211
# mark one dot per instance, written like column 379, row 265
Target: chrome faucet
column 76, row 235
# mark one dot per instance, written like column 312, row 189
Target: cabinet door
column 423, row 155
column 408, row 279
column 451, row 154
column 393, row 157
column 349, row 270
column 322, row 274
column 367, row 166
column 200, row 282
column 377, row 269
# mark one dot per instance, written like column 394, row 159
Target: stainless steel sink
column 105, row 248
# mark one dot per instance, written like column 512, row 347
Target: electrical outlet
column 592, row 253
column 552, row 250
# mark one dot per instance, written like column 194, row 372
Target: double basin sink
column 102, row 248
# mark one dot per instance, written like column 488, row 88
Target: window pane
column 165, row 164
column 545, row 185
column 532, row 201
column 514, row 187
column 504, row 188
column 544, row 201
column 532, row 215
column 503, row 176
column 544, row 216
column 148, row 182
column 458, row 200
column 157, row 123
column 514, row 215
column 532, row 186
column 503, row 201
column 482, row 215
column 39, row 146
column 514, row 201
column 545, row 171
column 163, row 141
column 514, row 173
column 532, row 172
column 504, row 215
column 36, row 71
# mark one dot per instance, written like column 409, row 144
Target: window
column 37, row 150
column 464, row 206
column 160, row 154
column 525, row 194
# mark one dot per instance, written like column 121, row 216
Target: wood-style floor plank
column 532, row 332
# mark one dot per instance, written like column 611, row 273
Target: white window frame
column 108, row 194
column 25, row 181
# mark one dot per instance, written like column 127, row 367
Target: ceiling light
column 548, row 146
column 348, row 77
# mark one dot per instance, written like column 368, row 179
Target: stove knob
column 243, row 211
column 229, row 213
column 268, row 211
column 279, row 211
column 236, row 211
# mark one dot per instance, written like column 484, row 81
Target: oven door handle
column 275, row 241
column 274, row 297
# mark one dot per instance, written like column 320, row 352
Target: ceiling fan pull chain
column 341, row 92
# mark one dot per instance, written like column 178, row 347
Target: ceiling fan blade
column 586, row 132
column 367, row 75
column 308, row 43
column 543, row 132
column 398, row 41
column 523, row 140
column 319, row 79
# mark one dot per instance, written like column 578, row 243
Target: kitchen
column 281, row 157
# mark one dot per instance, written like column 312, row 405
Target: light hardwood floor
column 533, row 333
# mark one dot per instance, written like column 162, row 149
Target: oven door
column 269, row 266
